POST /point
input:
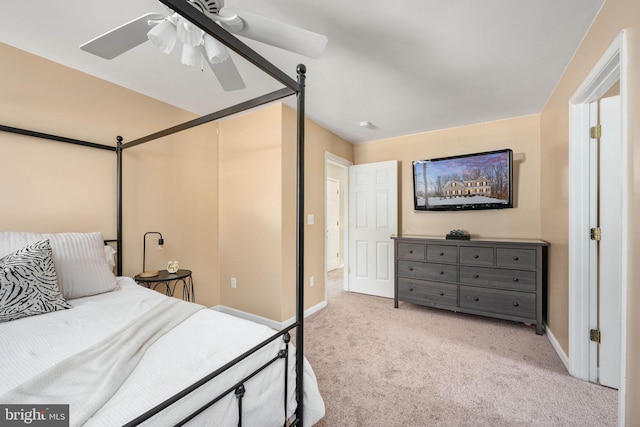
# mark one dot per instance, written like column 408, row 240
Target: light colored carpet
column 415, row 366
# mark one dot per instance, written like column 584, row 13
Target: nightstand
column 170, row 282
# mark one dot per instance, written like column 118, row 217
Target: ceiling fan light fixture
column 188, row 33
column 191, row 55
column 163, row 36
column 214, row 50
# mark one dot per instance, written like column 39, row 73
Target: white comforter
column 202, row 343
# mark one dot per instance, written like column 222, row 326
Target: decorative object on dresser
column 505, row 279
column 150, row 273
column 458, row 235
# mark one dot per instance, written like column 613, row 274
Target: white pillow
column 81, row 265
column 11, row 241
column 110, row 256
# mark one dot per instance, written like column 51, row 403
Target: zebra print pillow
column 28, row 283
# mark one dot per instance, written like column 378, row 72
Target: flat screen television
column 471, row 181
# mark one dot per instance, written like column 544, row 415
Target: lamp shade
column 191, row 55
column 214, row 50
column 163, row 36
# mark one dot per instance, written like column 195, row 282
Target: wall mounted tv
column 471, row 181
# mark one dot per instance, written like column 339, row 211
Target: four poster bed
column 100, row 343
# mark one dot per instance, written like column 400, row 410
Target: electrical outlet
column 233, row 282
column 312, row 281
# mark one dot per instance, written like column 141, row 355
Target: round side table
column 170, row 282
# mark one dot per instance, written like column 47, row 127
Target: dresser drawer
column 516, row 280
column 516, row 258
column 476, row 256
column 509, row 303
column 427, row 293
column 441, row 272
column 448, row 254
column 413, row 269
column 428, row 271
column 413, row 251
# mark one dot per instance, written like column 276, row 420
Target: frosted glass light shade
column 191, row 55
column 163, row 36
column 214, row 50
column 188, row 33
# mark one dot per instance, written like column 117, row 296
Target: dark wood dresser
column 506, row 279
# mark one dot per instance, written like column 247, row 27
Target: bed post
column 119, row 205
column 300, row 248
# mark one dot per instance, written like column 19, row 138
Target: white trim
column 558, row 348
column 592, row 262
column 578, row 241
column 308, row 312
column 263, row 320
column 611, row 67
column 624, row 273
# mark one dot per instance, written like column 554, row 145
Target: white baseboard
column 308, row 312
column 556, row 346
column 263, row 320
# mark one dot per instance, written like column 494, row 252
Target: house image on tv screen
column 480, row 180
column 479, row 186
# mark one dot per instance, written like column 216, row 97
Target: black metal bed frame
column 292, row 87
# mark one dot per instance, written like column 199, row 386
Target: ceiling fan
column 198, row 47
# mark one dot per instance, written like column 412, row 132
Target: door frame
column 330, row 158
column 611, row 67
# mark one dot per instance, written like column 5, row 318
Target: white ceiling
column 407, row 67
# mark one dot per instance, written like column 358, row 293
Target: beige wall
column 257, row 232
column 522, row 135
column 54, row 187
column 318, row 141
column 250, row 209
column 170, row 186
column 615, row 16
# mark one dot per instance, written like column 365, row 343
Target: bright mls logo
column 34, row 415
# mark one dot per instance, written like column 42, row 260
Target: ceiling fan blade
column 121, row 39
column 227, row 74
column 276, row 33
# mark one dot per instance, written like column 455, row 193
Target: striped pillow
column 81, row 265
column 28, row 283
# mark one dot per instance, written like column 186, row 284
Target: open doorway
column 336, row 172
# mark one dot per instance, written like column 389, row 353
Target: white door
column 373, row 219
column 609, row 247
column 333, row 224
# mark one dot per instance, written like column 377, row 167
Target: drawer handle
column 476, row 299
column 442, row 272
column 515, row 258
column 475, row 276
column 476, row 256
column 410, row 268
column 410, row 289
column 515, row 304
column 411, row 252
column 441, row 253
column 441, row 294
column 515, row 279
